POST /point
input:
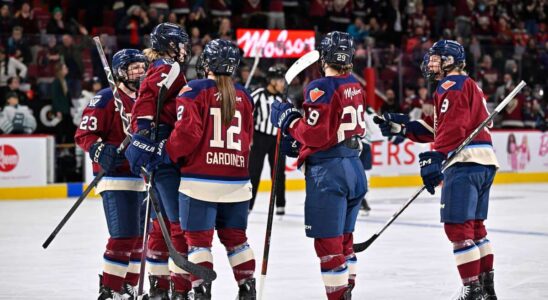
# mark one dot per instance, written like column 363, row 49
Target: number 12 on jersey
column 231, row 142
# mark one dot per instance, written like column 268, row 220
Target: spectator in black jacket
column 18, row 46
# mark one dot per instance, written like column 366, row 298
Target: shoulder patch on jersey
column 185, row 88
column 94, row 101
column 315, row 94
column 448, row 84
column 101, row 99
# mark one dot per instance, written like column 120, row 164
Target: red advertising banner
column 275, row 43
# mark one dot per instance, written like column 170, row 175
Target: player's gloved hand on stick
column 397, row 139
column 283, row 114
column 430, row 163
column 160, row 156
column 139, row 152
column 289, row 146
column 105, row 155
column 391, row 124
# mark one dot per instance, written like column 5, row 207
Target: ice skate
column 365, row 209
column 203, row 291
column 247, row 290
column 488, row 285
column 473, row 291
column 156, row 293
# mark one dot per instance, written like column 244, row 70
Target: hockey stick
column 255, row 64
column 302, row 63
column 200, row 271
column 125, row 122
column 359, row 247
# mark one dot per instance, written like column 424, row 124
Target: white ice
column 411, row 260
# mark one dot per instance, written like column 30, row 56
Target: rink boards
column 522, row 155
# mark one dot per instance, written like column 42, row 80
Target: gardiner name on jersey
column 213, row 155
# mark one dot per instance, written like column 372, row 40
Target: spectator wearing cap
column 57, row 25
column 264, row 136
column 16, row 118
column 10, row 67
column 18, row 47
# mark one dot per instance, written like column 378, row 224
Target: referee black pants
column 264, row 144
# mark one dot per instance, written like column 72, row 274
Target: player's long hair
column 225, row 85
column 152, row 55
column 346, row 69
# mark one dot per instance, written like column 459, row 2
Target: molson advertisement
column 275, row 43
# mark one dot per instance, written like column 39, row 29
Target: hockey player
column 211, row 143
column 264, row 137
column 330, row 133
column 169, row 49
column 100, row 133
column 459, row 108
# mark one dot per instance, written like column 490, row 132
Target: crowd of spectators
column 47, row 56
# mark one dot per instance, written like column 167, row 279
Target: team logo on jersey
column 94, row 100
column 315, row 94
column 185, row 89
column 448, row 84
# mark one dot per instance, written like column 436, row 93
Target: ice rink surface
column 411, row 260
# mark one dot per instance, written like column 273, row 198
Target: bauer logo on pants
column 8, row 158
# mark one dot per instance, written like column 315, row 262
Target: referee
column 264, row 137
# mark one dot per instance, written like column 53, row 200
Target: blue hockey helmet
column 337, row 48
column 120, row 63
column 169, row 37
column 451, row 53
column 220, row 57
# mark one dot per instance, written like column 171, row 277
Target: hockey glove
column 289, row 146
column 105, row 155
column 397, row 139
column 160, row 157
column 282, row 114
column 139, row 152
column 391, row 124
column 430, row 163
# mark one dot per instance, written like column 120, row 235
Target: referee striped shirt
column 263, row 100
